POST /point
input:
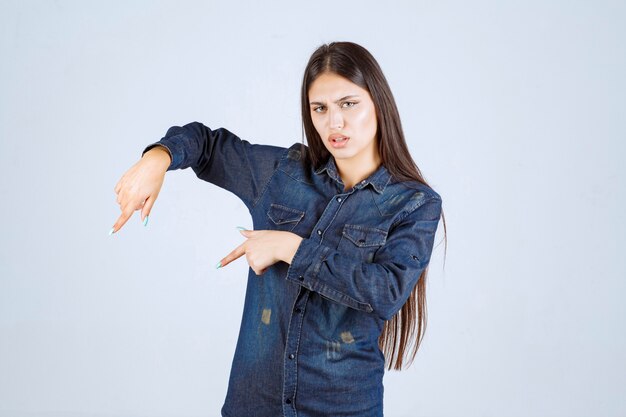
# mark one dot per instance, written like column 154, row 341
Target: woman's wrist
column 160, row 153
column 292, row 242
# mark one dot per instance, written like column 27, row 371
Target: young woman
column 343, row 234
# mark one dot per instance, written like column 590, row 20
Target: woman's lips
column 337, row 140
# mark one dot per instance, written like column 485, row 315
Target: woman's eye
column 319, row 109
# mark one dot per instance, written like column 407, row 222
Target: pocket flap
column 282, row 214
column 363, row 236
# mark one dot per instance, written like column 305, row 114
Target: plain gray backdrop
column 514, row 110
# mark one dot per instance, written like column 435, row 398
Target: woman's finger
column 126, row 213
column 236, row 253
column 147, row 206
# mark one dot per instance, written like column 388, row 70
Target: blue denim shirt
column 308, row 342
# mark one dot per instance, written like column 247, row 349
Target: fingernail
column 145, row 221
column 111, row 231
column 219, row 265
column 241, row 228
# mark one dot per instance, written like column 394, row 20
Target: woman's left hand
column 263, row 248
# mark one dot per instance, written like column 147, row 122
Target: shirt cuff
column 304, row 270
column 306, row 262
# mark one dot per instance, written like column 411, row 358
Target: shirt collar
column 379, row 179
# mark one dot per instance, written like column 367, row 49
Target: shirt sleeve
column 222, row 158
column 380, row 287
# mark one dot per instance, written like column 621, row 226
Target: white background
column 514, row 110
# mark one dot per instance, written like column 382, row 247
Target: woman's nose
column 336, row 119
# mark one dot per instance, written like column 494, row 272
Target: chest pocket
column 361, row 240
column 283, row 217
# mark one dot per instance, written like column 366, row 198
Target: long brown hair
column 355, row 63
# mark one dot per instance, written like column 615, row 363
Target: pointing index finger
column 236, row 253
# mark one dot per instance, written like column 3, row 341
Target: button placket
column 328, row 215
column 290, row 364
column 295, row 323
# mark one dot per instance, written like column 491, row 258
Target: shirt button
column 339, row 199
column 319, row 232
column 288, row 400
column 363, row 182
column 291, row 356
column 301, row 278
column 297, row 310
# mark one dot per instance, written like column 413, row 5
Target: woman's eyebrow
column 341, row 99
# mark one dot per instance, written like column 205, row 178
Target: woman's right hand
column 139, row 186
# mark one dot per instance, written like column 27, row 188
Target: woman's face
column 338, row 106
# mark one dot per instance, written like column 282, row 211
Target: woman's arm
column 217, row 156
column 222, row 158
column 381, row 287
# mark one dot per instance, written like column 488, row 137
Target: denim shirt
column 308, row 341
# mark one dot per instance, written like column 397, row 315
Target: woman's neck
column 354, row 171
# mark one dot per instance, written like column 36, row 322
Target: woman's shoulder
column 297, row 151
column 417, row 189
column 402, row 197
column 296, row 154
